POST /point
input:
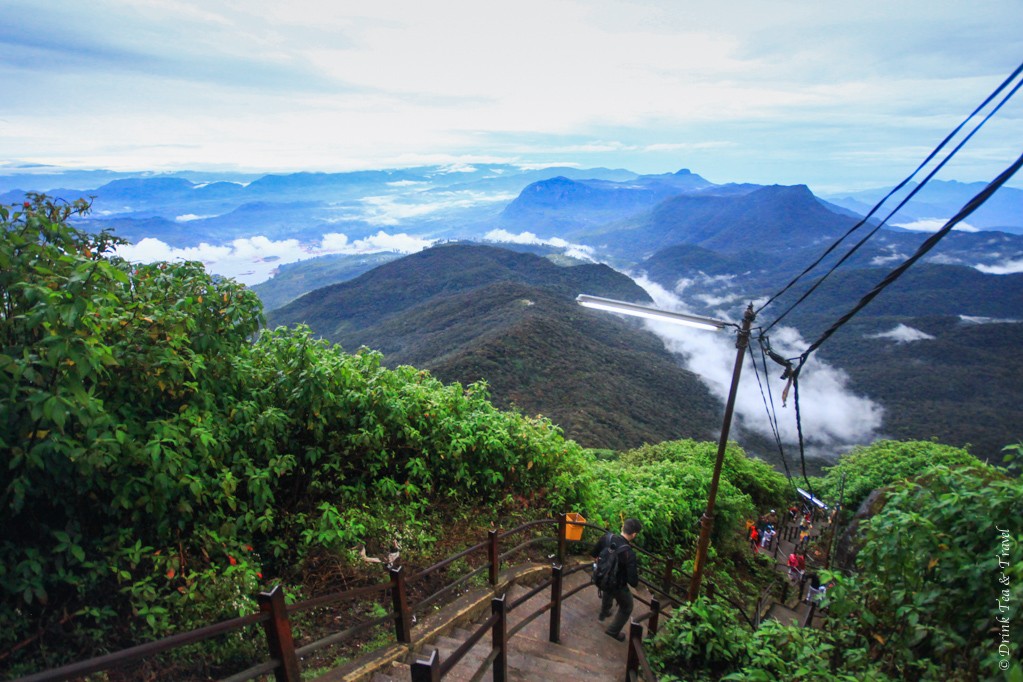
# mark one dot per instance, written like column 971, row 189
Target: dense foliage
column 869, row 467
column 159, row 462
column 666, row 487
column 936, row 594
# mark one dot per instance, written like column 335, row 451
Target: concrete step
column 584, row 651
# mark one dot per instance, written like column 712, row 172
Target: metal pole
column 836, row 519
column 707, row 520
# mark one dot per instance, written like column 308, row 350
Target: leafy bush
column 160, row 456
column 940, row 575
column 765, row 486
column 868, row 467
column 941, row 570
column 704, row 641
column 665, row 486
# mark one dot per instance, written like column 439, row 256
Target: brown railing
column 283, row 661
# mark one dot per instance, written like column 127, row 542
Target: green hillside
column 470, row 313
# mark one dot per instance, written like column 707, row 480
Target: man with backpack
column 614, row 571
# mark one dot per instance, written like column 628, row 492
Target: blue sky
column 835, row 95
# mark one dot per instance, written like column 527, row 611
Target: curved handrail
column 134, row 653
column 284, row 655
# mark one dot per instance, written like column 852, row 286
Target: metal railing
column 283, row 659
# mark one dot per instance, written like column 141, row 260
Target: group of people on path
column 761, row 535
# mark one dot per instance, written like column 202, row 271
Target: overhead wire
column 976, row 202
column 902, row 203
column 923, row 164
column 793, row 372
column 972, row 205
column 772, row 413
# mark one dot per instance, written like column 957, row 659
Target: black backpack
column 607, row 571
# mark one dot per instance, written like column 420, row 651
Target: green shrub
column 161, row 456
column 869, row 467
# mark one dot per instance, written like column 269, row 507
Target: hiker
column 794, row 573
column 627, row 575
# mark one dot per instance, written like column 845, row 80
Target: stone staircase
column 584, row 651
column 794, row 609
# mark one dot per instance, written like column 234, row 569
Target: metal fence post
column 278, row 635
column 494, row 556
column 562, row 537
column 399, row 599
column 655, row 614
column 428, row 670
column 499, row 638
column 556, row 586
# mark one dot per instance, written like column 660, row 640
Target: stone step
column 584, row 651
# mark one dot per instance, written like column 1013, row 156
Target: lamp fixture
column 611, row 305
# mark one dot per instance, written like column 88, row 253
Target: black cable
column 1005, row 83
column 799, row 432
column 971, row 206
column 771, row 411
column 902, row 203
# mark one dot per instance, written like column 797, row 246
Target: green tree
column 163, row 453
column 884, row 462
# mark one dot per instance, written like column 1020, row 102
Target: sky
column 838, row 96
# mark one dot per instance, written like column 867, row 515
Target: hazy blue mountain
column 46, row 178
column 942, row 199
column 568, row 207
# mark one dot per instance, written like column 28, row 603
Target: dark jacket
column 628, row 569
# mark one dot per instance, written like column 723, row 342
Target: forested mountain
column 470, row 312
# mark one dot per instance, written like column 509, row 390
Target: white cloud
column 833, row 417
column 580, row 251
column 188, row 217
column 255, row 259
column 935, row 224
column 393, row 209
column 1009, row 267
column 902, row 333
column 738, row 89
column 971, row 319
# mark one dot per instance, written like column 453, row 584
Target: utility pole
column 707, row 520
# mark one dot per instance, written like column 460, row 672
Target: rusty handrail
column 81, row 668
column 285, row 662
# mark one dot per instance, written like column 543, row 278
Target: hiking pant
column 623, row 596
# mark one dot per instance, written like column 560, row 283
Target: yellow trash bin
column 574, row 529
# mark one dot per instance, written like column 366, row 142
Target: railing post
column 494, row 556
column 669, row 574
column 635, row 642
column 655, row 614
column 562, row 536
column 556, row 584
column 428, row 670
column 499, row 639
column 399, row 599
column 278, row 635
column 809, row 613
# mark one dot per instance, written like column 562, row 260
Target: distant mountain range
column 938, row 350
column 940, row 199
